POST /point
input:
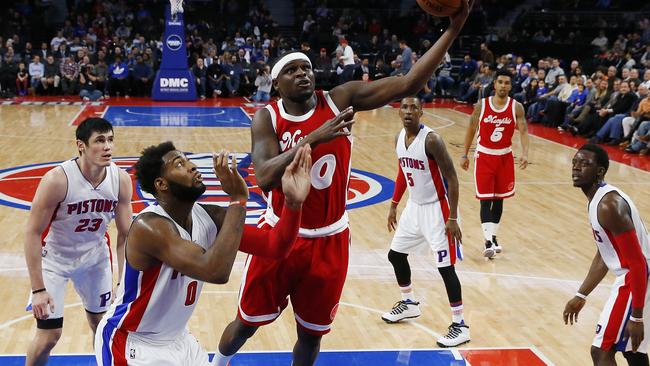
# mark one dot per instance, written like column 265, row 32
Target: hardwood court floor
column 515, row 300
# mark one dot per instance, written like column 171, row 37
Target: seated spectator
column 8, row 71
column 445, row 81
column 536, row 110
column 118, row 83
column 474, row 90
column 215, row 78
column 51, row 77
column 101, row 72
column 69, row 76
column 22, row 80
column 142, row 78
column 619, row 104
column 263, row 83
column 88, row 84
column 428, row 92
column 200, row 75
column 639, row 114
column 380, row 71
column 36, row 70
column 641, row 140
column 468, row 69
column 556, row 107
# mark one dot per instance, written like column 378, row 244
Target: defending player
column 313, row 275
column 496, row 118
column 65, row 237
column 430, row 219
column 176, row 245
column 624, row 249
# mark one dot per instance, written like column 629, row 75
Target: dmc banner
column 174, row 80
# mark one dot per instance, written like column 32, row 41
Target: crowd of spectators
column 114, row 49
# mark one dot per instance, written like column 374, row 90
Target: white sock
column 487, row 230
column 407, row 293
column 219, row 359
column 457, row 314
column 495, row 228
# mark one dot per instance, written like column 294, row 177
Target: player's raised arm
column 436, row 150
column 364, row 96
column 50, row 192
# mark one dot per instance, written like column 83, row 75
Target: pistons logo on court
column 18, row 185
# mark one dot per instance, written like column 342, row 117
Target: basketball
column 440, row 8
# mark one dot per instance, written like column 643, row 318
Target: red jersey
column 496, row 127
column 323, row 212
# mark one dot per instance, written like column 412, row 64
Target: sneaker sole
column 459, row 344
column 498, row 250
column 489, row 253
column 397, row 321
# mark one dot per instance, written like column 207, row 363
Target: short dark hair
column 90, row 125
column 149, row 166
column 503, row 72
column 602, row 158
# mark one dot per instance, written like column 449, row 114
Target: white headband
column 275, row 72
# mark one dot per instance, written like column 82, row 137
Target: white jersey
column 604, row 238
column 156, row 304
column 423, row 178
column 80, row 221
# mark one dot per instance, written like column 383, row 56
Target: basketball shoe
column 458, row 334
column 403, row 309
column 496, row 246
column 489, row 251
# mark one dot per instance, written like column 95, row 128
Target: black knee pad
column 636, row 358
column 401, row 266
column 49, row 323
column 452, row 284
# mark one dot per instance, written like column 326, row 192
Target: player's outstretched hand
column 523, row 162
column 452, row 228
column 572, row 308
column 634, row 330
column 231, row 181
column 464, row 162
column 296, row 180
column 42, row 305
column 335, row 127
column 392, row 218
column 458, row 20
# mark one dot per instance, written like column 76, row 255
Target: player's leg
column 406, row 240
column 94, row 284
column 636, row 358
column 485, row 182
column 232, row 339
column 601, row 357
column 262, row 293
column 315, row 297
column 446, row 251
column 48, row 330
column 505, row 187
column 307, row 348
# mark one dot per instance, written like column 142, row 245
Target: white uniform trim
column 332, row 229
column 312, row 326
column 292, row 118
column 274, row 118
column 485, row 150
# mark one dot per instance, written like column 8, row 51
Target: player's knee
column 244, row 330
column 397, row 258
column 447, row 272
column 636, row 358
column 309, row 339
column 47, row 339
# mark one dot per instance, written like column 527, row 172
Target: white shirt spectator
column 56, row 41
column 552, row 75
column 348, row 56
column 600, row 41
column 36, row 70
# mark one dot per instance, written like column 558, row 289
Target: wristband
column 34, row 292
column 241, row 203
column 636, row 320
column 582, row 296
column 453, row 219
column 395, row 202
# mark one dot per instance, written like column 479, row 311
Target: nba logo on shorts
column 18, row 185
column 598, row 328
column 132, row 353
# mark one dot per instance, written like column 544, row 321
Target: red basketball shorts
column 312, row 276
column 494, row 176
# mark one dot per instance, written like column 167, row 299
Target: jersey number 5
column 497, row 135
column 88, row 225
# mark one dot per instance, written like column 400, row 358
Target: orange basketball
column 440, row 8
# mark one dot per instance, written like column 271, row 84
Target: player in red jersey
column 313, row 273
column 496, row 118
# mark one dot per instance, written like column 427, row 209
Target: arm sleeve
column 273, row 243
column 630, row 250
column 400, row 185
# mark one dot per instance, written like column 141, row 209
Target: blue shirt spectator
column 578, row 96
column 118, row 69
column 407, row 57
column 467, row 68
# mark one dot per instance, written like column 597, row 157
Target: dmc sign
column 174, row 42
column 174, row 82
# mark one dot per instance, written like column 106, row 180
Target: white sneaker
column 404, row 309
column 496, row 246
column 489, row 251
column 458, row 334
